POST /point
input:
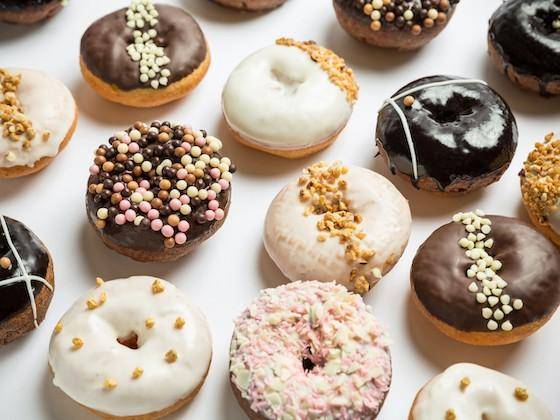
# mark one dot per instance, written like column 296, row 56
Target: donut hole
column 290, row 83
column 457, row 107
column 129, row 340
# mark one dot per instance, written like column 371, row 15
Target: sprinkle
column 157, row 286
column 171, row 356
column 179, row 322
column 521, row 394
column 110, row 384
column 77, row 343
column 136, row 373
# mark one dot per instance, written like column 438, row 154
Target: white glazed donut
column 303, row 252
column 468, row 391
column 50, row 108
column 282, row 101
column 110, row 378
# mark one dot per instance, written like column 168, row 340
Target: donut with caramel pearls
column 158, row 190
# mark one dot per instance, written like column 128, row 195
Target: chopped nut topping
column 339, row 74
column 137, row 373
column 110, row 383
column 521, row 394
column 77, row 342
column 93, row 304
column 179, row 322
column 541, row 178
column 99, row 281
column 465, row 382
column 58, row 328
column 150, row 322
column 171, row 356
column 157, row 286
column 450, row 414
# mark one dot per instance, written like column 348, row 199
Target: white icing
column 280, row 98
column 25, row 276
column 529, row 12
column 489, row 396
column 487, row 134
column 447, row 88
column 290, row 237
column 49, row 105
column 81, row 373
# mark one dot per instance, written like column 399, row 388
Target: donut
column 134, row 348
column 309, row 350
column 290, row 99
column 26, row 280
column 447, row 134
column 540, row 187
column 251, row 5
column 524, row 45
column 38, row 117
column 469, row 391
column 27, row 12
column 486, row 280
column 403, row 24
column 144, row 55
column 158, row 190
column 336, row 222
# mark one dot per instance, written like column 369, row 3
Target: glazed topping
column 142, row 17
column 487, row 287
column 160, row 177
column 490, row 395
column 412, row 15
column 322, row 188
column 22, row 267
column 339, row 74
column 310, row 349
column 541, row 172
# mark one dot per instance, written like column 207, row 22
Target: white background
column 230, row 269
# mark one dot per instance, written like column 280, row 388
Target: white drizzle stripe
column 25, row 277
column 392, row 101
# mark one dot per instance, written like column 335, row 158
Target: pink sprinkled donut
column 309, row 350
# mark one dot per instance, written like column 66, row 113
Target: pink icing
column 331, row 328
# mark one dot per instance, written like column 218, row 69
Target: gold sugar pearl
column 408, row 101
column 157, row 286
column 5, row 263
column 171, row 356
column 136, row 373
column 179, row 322
column 77, row 343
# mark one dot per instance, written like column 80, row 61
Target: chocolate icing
column 35, row 257
column 522, row 32
column 531, row 267
column 103, row 47
column 460, row 132
column 24, row 4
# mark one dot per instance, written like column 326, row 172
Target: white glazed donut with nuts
column 283, row 101
column 469, row 391
column 310, row 236
column 131, row 347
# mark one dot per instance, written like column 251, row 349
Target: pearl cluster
column 144, row 50
column 406, row 14
column 160, row 177
column 484, row 269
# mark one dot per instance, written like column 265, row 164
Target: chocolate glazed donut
column 524, row 43
column 16, row 314
column 28, row 11
column 463, row 135
column 531, row 268
column 103, row 47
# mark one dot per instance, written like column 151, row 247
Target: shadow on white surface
column 13, row 187
column 271, row 276
column 443, row 351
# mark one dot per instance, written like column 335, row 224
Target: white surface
column 227, row 271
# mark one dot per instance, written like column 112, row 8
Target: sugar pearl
column 102, row 213
column 185, row 209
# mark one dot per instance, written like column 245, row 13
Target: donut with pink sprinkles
column 309, row 350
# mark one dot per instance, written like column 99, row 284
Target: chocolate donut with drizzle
column 26, row 280
column 524, row 43
column 447, row 134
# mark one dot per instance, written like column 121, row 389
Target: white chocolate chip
column 492, row 325
column 517, row 304
column 493, row 300
column 506, row 326
column 486, row 313
column 473, row 287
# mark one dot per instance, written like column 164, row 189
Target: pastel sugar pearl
column 210, row 215
column 224, row 184
column 167, row 231
column 182, row 173
column 145, row 207
column 211, row 195
column 94, row 169
column 186, row 146
column 126, row 139
column 175, row 204
column 140, row 190
column 180, row 238
column 124, row 205
column 219, row 214
column 130, row 215
column 200, row 141
column 183, row 226
column 184, row 199
column 156, row 225
column 118, row 187
column 213, row 205
column 215, row 173
column 120, row 219
column 133, row 147
column 153, row 214
column 144, row 184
